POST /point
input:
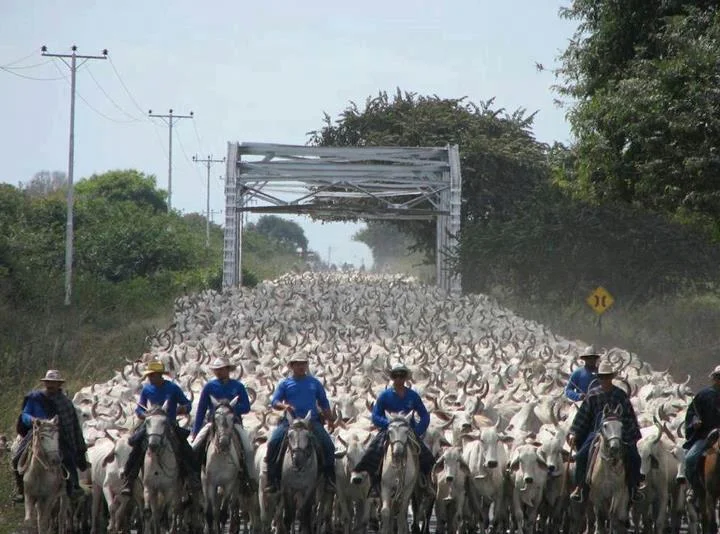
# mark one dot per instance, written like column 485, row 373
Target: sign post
column 600, row 300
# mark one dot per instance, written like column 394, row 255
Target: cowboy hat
column 715, row 372
column 52, row 375
column 589, row 352
column 298, row 358
column 221, row 362
column 606, row 369
column 400, row 368
column 155, row 366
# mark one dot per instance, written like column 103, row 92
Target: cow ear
column 339, row 438
column 439, row 466
column 442, row 415
column 515, row 464
column 565, row 455
column 444, row 442
column 541, row 460
column 654, row 462
column 340, row 454
column 506, row 439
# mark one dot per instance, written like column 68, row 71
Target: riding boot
column 19, row 488
column 132, row 469
column 330, row 480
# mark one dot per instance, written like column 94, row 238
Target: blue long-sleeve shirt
column 229, row 389
column 304, row 394
column 33, row 408
column 579, row 382
column 157, row 395
column 390, row 401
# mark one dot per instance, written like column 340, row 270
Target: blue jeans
column 692, row 459
column 632, row 460
column 272, row 457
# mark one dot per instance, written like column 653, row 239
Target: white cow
column 351, row 500
column 528, row 473
column 486, row 456
column 450, row 476
column 659, row 467
column 107, row 459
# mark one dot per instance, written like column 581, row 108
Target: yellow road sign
column 600, row 300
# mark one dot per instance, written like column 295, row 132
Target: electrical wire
column 25, row 76
column 127, row 91
column 32, row 54
column 22, row 67
column 77, row 93
column 121, row 110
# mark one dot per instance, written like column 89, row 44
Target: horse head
column 299, row 440
column 223, row 421
column 399, row 434
column 611, row 432
column 156, row 425
column 46, row 438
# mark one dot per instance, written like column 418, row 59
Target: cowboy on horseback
column 224, row 387
column 300, row 395
column 585, row 427
column 703, row 416
column 396, row 399
column 581, row 378
column 156, row 392
column 45, row 404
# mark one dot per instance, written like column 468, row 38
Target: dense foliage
column 643, row 78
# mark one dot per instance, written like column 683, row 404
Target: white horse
column 300, row 477
column 399, row 474
column 221, row 476
column 162, row 485
column 44, row 477
column 609, row 494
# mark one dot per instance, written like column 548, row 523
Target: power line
column 25, row 76
column 127, row 91
column 22, row 67
column 121, row 110
column 170, row 121
column 32, row 54
column 71, row 163
column 197, row 135
column 93, row 108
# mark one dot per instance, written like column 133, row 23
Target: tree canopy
column 643, row 77
column 284, row 231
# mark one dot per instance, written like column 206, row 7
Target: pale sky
column 253, row 71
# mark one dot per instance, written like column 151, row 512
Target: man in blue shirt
column 396, row 399
column 299, row 395
column 224, row 387
column 702, row 418
column 46, row 403
column 156, row 392
column 577, row 387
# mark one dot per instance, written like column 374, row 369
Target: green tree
column 502, row 163
column 283, row 231
column 644, row 79
column 385, row 241
column 124, row 186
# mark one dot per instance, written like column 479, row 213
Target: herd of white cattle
column 492, row 381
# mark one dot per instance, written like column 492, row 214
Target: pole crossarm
column 351, row 183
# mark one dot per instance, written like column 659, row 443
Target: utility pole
column 71, row 161
column 208, row 162
column 170, row 119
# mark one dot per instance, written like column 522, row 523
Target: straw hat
column 606, row 369
column 300, row 357
column 589, row 352
column 400, row 368
column 155, row 366
column 52, row 375
column 221, row 362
